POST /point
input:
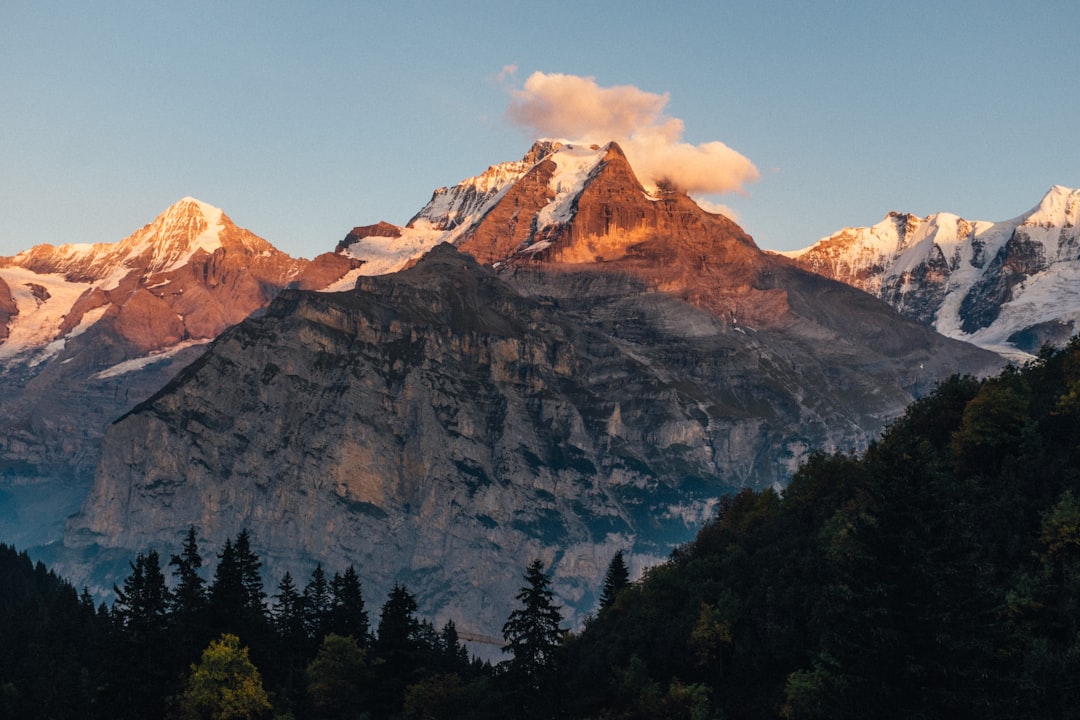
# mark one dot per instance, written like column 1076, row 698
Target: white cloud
column 576, row 108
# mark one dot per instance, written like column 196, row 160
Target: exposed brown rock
column 8, row 308
column 379, row 229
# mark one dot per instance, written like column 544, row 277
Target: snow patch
column 574, row 164
column 139, row 363
column 38, row 323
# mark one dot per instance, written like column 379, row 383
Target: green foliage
column 938, row 575
column 224, row 685
column 336, row 678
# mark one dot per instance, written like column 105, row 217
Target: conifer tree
column 533, row 635
column 189, row 596
column 617, row 578
column 348, row 616
column 317, row 604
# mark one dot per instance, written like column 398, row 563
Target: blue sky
column 301, row 120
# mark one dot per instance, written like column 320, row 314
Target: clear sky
column 302, row 120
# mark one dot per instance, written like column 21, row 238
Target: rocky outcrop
column 446, row 424
column 8, row 308
column 88, row 331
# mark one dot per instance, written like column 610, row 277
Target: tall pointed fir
column 347, row 615
column 617, row 578
column 533, row 636
column 188, row 608
column 317, row 605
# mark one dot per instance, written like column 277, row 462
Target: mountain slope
column 89, row 330
column 442, row 425
column 1008, row 286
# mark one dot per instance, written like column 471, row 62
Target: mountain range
column 1008, row 286
column 87, row 331
column 548, row 361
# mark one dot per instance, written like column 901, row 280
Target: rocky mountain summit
column 86, row 331
column 1008, row 286
column 585, row 367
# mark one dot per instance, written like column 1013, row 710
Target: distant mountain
column 587, row 367
column 1007, row 286
column 86, row 331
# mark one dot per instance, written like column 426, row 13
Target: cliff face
column 444, row 425
column 87, row 331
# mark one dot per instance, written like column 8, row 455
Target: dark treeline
column 937, row 575
column 191, row 647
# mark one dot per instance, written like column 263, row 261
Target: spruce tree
column 617, row 578
column 533, row 635
column 317, row 604
column 348, row 616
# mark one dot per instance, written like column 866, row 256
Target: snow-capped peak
column 454, row 211
column 183, row 229
column 1059, row 207
column 1007, row 286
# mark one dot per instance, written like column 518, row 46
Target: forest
column 936, row 574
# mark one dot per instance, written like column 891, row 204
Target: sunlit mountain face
column 1007, row 286
column 565, row 363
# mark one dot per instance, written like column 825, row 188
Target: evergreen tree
column 288, row 612
column 397, row 649
column 398, row 625
column 188, row 609
column 141, row 610
column 189, row 595
column 250, row 576
column 336, row 678
column 348, row 616
column 237, row 601
column 294, row 647
column 533, row 635
column 616, row 578
column 317, row 604
column 455, row 655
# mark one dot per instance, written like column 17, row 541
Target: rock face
column 88, row 331
column 443, row 425
column 1006, row 286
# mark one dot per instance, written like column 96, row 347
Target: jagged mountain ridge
column 89, row 330
column 595, row 384
column 1007, row 286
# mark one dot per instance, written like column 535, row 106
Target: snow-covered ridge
column 141, row 284
column 1007, row 285
column 453, row 211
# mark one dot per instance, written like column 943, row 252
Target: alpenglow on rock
column 87, row 331
column 596, row 383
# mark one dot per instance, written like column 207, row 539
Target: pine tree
column 142, row 606
column 348, row 616
column 288, row 611
column 141, row 611
column 533, row 635
column 250, row 576
column 189, row 597
column 317, row 604
column 617, row 578
column 397, row 646
column 188, row 608
column 237, row 599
